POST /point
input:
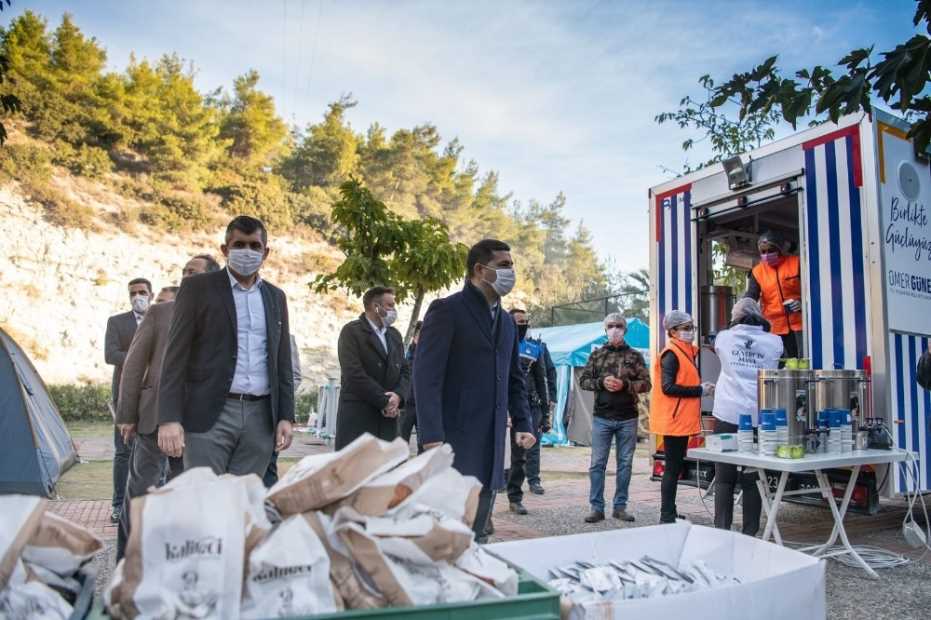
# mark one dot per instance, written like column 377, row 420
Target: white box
column 777, row 583
column 721, row 442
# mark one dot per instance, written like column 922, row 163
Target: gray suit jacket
column 200, row 358
column 120, row 331
column 142, row 369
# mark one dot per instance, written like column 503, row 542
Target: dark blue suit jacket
column 466, row 378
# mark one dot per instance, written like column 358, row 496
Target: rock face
column 58, row 286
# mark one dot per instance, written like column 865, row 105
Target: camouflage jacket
column 624, row 363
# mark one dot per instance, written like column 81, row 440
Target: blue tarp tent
column 570, row 346
column 35, row 447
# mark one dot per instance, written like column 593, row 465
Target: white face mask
column 686, row 336
column 388, row 317
column 616, row 335
column 140, row 304
column 504, row 282
column 244, row 261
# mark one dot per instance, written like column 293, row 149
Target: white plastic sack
column 61, row 546
column 289, row 574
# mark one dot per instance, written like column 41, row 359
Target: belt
column 248, row 397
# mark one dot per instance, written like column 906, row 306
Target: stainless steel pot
column 842, row 389
column 716, row 305
column 789, row 390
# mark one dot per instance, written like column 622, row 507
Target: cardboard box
column 777, row 583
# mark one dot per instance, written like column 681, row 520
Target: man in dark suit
column 120, row 331
column 374, row 375
column 226, row 394
column 137, row 410
column 467, row 375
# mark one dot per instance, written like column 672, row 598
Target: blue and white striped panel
column 911, row 405
column 838, row 310
column 675, row 236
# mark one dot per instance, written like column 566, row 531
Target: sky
column 554, row 96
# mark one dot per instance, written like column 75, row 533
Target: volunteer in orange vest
column 675, row 402
column 776, row 283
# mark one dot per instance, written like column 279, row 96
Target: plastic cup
column 780, row 417
column 746, row 422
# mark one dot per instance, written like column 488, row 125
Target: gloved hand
column 793, row 305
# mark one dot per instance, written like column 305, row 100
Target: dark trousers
column 486, row 504
column 517, row 471
column 271, row 472
column 407, row 423
column 145, row 466
column 674, row 448
column 532, row 465
column 791, row 344
column 726, row 479
column 121, row 454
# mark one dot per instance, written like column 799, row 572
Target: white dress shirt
column 138, row 317
column 251, row 376
column 381, row 332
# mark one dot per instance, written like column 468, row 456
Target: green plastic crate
column 534, row 601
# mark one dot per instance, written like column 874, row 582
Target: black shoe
column 622, row 515
column 518, row 508
column 595, row 516
column 537, row 489
column 115, row 515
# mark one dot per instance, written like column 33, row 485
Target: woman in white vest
column 743, row 349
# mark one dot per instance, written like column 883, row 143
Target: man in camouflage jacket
column 617, row 374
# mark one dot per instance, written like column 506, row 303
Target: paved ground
column 901, row 594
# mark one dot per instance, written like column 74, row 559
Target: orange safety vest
column 776, row 286
column 671, row 415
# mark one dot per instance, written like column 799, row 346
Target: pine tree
column 256, row 134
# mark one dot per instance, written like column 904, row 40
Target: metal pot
column 842, row 389
column 716, row 305
column 789, row 390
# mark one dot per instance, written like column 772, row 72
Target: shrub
column 261, row 196
column 82, row 402
column 176, row 212
column 88, row 161
column 304, row 403
column 25, row 163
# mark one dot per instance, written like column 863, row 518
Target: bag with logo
column 321, row 479
column 184, row 555
column 289, row 574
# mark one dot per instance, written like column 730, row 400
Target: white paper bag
column 19, row 518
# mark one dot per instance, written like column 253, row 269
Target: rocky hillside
column 58, row 285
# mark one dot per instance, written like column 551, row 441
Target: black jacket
column 120, row 331
column 366, row 373
column 200, row 358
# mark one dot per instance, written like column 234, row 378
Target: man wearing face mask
column 776, row 284
column 374, row 374
column 137, row 410
column 617, row 374
column 226, row 393
column 534, row 369
column 120, row 331
column 467, row 376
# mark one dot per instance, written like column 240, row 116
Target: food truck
column 853, row 198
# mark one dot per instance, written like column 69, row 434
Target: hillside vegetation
column 186, row 160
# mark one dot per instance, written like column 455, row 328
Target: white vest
column 743, row 350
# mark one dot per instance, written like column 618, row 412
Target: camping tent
column 35, row 447
column 570, row 346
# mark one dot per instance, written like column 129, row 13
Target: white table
column 817, row 464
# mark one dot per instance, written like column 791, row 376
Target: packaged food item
column 32, row 600
column 447, row 492
column 482, row 565
column 61, row 546
column 392, row 488
column 289, row 574
column 184, row 556
column 19, row 519
column 322, row 479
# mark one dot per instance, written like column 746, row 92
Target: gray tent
column 35, row 447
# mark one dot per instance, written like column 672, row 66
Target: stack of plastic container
column 769, row 437
column 846, row 430
column 835, row 442
column 823, row 426
column 745, row 433
column 782, row 426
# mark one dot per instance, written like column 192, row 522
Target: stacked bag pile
column 357, row 529
column 41, row 556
